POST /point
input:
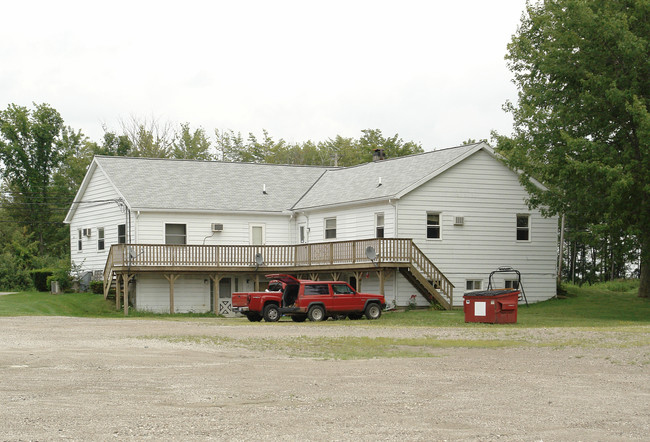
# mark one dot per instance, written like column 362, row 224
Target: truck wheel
column 298, row 318
column 373, row 311
column 316, row 313
column 254, row 317
column 271, row 313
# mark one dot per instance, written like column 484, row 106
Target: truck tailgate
column 240, row 299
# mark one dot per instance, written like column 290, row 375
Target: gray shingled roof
column 148, row 183
column 360, row 183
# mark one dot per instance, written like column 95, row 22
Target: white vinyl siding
column 354, row 222
column 489, row 196
column 103, row 211
column 150, row 228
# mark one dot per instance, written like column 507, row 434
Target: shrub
column 39, row 277
column 62, row 275
column 12, row 275
column 97, row 287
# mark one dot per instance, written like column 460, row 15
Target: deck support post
column 358, row 276
column 336, row 276
column 171, row 278
column 216, row 279
column 257, row 282
column 313, row 276
column 380, row 273
column 118, row 278
column 126, row 279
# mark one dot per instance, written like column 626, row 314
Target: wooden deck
column 125, row 260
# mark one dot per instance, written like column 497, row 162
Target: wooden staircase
column 423, row 286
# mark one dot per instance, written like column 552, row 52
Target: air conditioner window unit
column 86, row 232
column 217, row 227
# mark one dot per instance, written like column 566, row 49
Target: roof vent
column 264, row 189
column 378, row 181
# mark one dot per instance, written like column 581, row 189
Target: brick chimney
column 378, row 155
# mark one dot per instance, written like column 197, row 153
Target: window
column 433, row 225
column 79, row 241
column 523, row 227
column 317, row 289
column 379, row 225
column 473, row 284
column 342, row 289
column 175, row 234
column 330, row 228
column 100, row 238
column 121, row 234
column 512, row 284
column 302, row 234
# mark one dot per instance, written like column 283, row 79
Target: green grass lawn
column 602, row 305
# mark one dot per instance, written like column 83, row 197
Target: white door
column 257, row 234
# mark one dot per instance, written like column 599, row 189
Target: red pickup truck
column 301, row 299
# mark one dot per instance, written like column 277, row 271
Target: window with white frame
column 100, row 238
column 523, row 227
column 473, row 284
column 79, row 240
column 433, row 225
column 330, row 228
column 379, row 225
column 512, row 284
column 175, row 234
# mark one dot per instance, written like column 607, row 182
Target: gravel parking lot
column 112, row 379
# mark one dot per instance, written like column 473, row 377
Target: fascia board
column 208, row 212
column 92, row 169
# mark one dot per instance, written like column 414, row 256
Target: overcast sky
column 432, row 71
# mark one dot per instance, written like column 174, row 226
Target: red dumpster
column 493, row 306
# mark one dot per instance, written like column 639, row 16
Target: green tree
column 114, row 144
column 393, row 146
column 31, row 151
column 190, row 145
column 149, row 138
column 581, row 124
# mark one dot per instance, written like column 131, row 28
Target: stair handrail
column 431, row 272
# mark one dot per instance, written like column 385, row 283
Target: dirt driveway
column 94, row 379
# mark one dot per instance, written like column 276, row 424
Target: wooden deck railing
column 388, row 250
